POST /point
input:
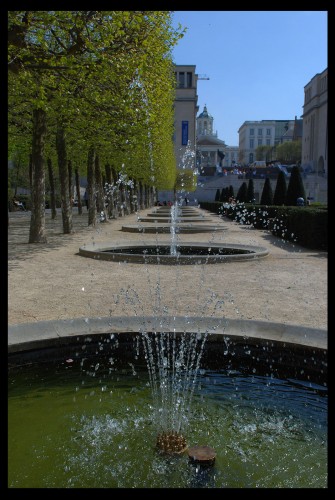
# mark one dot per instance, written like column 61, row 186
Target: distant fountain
column 174, row 215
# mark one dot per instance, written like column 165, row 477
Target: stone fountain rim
column 27, row 336
column 99, row 251
column 169, row 219
column 183, row 227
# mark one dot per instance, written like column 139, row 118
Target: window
column 184, row 133
column 268, row 131
column 251, row 143
column 260, row 142
column 181, row 79
column 268, row 142
column 189, row 79
column 252, row 131
column 260, row 131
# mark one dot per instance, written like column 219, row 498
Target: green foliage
column 280, row 190
column 250, row 191
column 263, row 153
column 289, row 152
column 267, row 194
column 108, row 76
column 242, row 193
column 295, row 188
column 224, row 194
column 185, row 180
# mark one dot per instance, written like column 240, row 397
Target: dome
column 205, row 113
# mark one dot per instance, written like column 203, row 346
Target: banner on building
column 184, row 133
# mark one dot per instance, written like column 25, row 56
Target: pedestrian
column 18, row 204
column 186, row 200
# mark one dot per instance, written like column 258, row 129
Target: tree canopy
column 107, row 76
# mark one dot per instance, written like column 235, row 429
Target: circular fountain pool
column 166, row 228
column 186, row 253
column 92, row 400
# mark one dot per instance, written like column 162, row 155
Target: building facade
column 262, row 133
column 213, row 154
column 315, row 125
column 210, row 151
column 185, row 112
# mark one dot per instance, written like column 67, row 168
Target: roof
column 209, row 140
column 205, row 113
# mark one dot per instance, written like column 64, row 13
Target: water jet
column 255, row 401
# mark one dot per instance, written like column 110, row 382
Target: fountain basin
column 186, row 253
column 197, row 218
column 166, row 228
column 86, row 387
column 184, row 214
column 278, row 348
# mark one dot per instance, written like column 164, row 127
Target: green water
column 69, row 428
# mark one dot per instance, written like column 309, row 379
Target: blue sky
column 258, row 62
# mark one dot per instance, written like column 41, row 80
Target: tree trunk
column 31, row 171
column 100, row 192
column 117, row 200
column 52, row 190
column 108, row 171
column 69, row 166
column 133, row 198
column 77, row 178
column 146, row 196
column 37, row 220
column 141, row 196
column 92, row 212
column 64, row 180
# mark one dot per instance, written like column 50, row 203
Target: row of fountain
column 121, row 408
column 174, row 220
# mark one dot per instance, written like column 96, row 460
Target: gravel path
column 52, row 281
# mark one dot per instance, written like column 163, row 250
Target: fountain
column 174, row 218
column 110, row 422
column 173, row 252
column 163, row 401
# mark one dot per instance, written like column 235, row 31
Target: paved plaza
column 51, row 282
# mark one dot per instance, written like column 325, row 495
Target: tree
column 242, row 193
column 37, row 221
column 224, row 194
column 267, row 194
column 230, row 192
column 280, row 190
column 250, row 191
column 52, row 189
column 263, row 152
column 289, row 152
column 107, row 77
column 295, row 188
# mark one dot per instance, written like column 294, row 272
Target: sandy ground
column 52, row 281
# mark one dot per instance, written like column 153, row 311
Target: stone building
column 185, row 111
column 315, row 125
column 262, row 133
